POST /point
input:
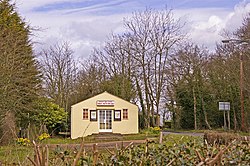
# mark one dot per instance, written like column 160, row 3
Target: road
column 183, row 133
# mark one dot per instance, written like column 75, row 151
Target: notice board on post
column 224, row 106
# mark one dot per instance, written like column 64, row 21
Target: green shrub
column 181, row 153
column 151, row 130
column 43, row 136
column 23, row 141
column 223, row 138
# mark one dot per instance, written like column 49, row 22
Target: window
column 125, row 113
column 85, row 114
column 117, row 115
column 93, row 115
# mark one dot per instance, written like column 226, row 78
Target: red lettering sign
column 105, row 103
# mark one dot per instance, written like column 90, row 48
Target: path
column 183, row 133
column 118, row 144
column 100, row 145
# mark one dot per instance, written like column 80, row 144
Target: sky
column 86, row 24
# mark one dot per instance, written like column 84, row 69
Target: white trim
column 104, row 130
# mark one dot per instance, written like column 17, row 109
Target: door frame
column 99, row 120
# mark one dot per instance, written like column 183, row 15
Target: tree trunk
column 235, row 119
column 8, row 129
column 228, row 119
column 195, row 109
column 205, row 113
column 141, row 102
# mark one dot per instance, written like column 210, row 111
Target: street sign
column 224, row 106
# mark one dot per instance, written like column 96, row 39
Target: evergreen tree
column 19, row 75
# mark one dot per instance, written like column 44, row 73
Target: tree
column 115, row 60
column 192, row 88
column 19, row 75
column 141, row 56
column 243, row 33
column 51, row 115
column 223, row 73
column 237, row 53
column 119, row 85
column 89, row 79
column 59, row 73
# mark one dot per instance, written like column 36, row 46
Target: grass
column 172, row 139
column 16, row 154
column 92, row 139
column 203, row 131
column 141, row 136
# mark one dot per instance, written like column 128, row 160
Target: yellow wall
column 82, row 128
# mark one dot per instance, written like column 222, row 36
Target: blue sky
column 87, row 23
column 120, row 6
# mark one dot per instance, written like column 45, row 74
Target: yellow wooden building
column 103, row 113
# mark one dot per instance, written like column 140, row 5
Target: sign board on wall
column 224, row 106
column 105, row 102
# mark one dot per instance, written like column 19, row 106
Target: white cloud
column 85, row 30
column 235, row 18
column 208, row 25
column 28, row 5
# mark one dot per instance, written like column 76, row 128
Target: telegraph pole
column 240, row 42
column 241, row 93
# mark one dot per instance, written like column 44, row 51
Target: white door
column 105, row 120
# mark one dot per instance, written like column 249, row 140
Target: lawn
column 93, row 139
column 173, row 145
column 16, row 154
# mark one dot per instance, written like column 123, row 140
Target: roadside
column 184, row 133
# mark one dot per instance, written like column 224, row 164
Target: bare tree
column 116, row 61
column 141, row 55
column 59, row 73
column 89, row 80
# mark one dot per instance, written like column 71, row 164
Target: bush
column 181, row 153
column 152, row 130
column 156, row 130
column 43, row 136
column 23, row 141
column 222, row 138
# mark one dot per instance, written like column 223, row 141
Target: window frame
column 117, row 112
column 125, row 114
column 93, row 118
column 85, row 114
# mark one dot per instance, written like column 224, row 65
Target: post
column 225, row 122
column 28, row 131
column 95, row 154
column 228, row 119
column 241, row 93
column 161, row 135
